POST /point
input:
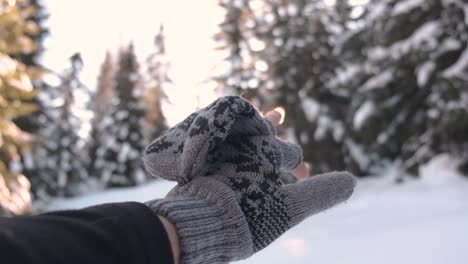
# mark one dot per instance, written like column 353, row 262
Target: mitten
column 229, row 202
column 191, row 147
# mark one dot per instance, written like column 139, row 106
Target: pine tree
column 360, row 91
column 121, row 142
column 285, row 47
column 16, row 94
column 105, row 89
column 158, row 79
column 301, row 73
column 101, row 103
column 409, row 62
column 240, row 76
column 57, row 161
column 35, row 16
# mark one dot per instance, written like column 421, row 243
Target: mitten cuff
column 210, row 231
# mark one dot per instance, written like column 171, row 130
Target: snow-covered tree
column 157, row 80
column 239, row 74
column 121, row 142
column 283, row 51
column 407, row 68
column 101, row 103
column 301, row 63
column 104, row 90
column 57, row 163
column 363, row 86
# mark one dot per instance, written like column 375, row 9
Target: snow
column 338, row 131
column 406, row 6
column 311, row 108
column 377, row 53
column 345, row 75
column 420, row 221
column 377, row 11
column 261, row 65
column 292, row 10
column 378, row 81
column 323, row 125
column 424, row 72
column 460, row 68
column 152, row 190
column 363, row 112
column 465, row 9
column 450, row 44
column 123, row 153
column 290, row 135
column 358, row 154
column 256, row 44
column 304, row 137
column 426, row 34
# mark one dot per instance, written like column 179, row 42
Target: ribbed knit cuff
column 211, row 226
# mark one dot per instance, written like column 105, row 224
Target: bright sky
column 93, row 26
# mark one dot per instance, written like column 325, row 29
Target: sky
column 93, row 26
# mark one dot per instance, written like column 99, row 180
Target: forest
column 366, row 85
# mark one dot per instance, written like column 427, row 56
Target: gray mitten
column 230, row 202
column 191, row 147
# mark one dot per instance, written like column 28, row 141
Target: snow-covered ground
column 424, row 221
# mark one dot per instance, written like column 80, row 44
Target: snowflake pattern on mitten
column 230, row 141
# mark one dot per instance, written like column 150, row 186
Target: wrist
column 173, row 238
column 210, row 224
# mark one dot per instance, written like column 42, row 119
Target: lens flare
column 281, row 110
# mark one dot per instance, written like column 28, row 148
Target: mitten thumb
column 291, row 155
column 317, row 194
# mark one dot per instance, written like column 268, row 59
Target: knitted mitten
column 193, row 146
column 230, row 202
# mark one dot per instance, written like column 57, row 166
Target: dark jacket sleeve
column 110, row 233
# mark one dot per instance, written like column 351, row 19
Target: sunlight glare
column 295, row 246
column 189, row 43
column 281, row 110
column 358, row 2
column 330, row 2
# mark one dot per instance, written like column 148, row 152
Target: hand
column 303, row 170
column 230, row 203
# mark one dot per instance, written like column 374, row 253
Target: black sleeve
column 124, row 233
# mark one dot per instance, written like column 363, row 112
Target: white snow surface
column 420, row 221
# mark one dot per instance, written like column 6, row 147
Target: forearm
column 112, row 233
